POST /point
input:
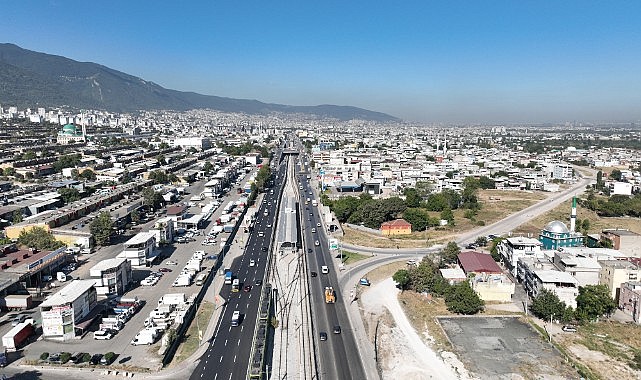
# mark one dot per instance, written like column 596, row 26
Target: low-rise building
column 140, row 249
column 112, row 276
column 396, row 227
column 486, row 276
column 626, row 241
column 613, row 273
column 163, row 230
column 584, row 269
column 68, row 310
column 630, row 299
column 512, row 249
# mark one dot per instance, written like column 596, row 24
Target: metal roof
column 69, row 293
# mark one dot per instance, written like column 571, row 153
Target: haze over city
column 472, row 62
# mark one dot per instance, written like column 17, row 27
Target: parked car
column 166, row 270
column 18, row 319
column 103, row 334
column 569, row 328
column 170, row 262
column 95, row 359
column 54, row 358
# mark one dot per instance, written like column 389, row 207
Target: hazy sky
column 445, row 61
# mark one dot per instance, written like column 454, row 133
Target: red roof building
column 396, row 227
column 477, row 262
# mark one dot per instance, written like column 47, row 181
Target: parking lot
column 142, row 356
column 504, row 347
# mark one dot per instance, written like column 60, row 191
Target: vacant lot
column 497, row 205
column 504, row 347
column 191, row 341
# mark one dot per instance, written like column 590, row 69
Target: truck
column 330, row 296
column 194, row 265
column 172, row 299
column 14, row 302
column 224, row 219
column 235, row 318
column 145, row 336
column 182, row 280
column 61, row 276
column 228, row 277
column 314, row 202
column 200, row 280
column 17, row 335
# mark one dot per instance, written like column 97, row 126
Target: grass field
column 191, row 342
column 351, row 257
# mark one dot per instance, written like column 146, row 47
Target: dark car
column 309, row 250
column 314, row 274
column 264, row 249
column 247, row 288
column 258, row 282
column 54, row 358
column 77, row 358
column 323, row 335
column 337, row 329
column 164, row 270
column 95, row 359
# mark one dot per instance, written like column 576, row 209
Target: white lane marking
column 238, row 342
column 221, row 359
column 225, row 342
column 234, row 358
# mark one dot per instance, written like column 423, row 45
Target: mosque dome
column 69, row 129
column 557, row 227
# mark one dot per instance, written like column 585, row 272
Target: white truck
column 173, row 299
column 145, row 336
column 182, row 280
column 193, row 264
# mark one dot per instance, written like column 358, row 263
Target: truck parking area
column 177, row 277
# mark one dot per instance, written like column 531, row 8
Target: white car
column 170, row 262
column 252, row 263
column 103, row 335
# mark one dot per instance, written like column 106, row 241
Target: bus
column 200, row 280
column 235, row 285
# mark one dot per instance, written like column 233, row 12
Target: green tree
column 402, row 278
column 69, row 194
column 101, row 228
column 158, row 176
column 449, row 254
column 88, row 175
column 616, row 175
column 448, row 215
column 208, row 167
column 9, row 171
column 17, row 217
column 412, row 197
column 486, row 183
column 481, row 241
column 585, row 226
column 547, row 304
column 39, row 238
column 593, row 302
column 418, row 218
column 135, row 216
column 599, row 180
column 462, row 299
column 150, row 198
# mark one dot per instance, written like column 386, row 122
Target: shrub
column 64, row 357
column 109, row 356
column 85, row 358
column 44, row 356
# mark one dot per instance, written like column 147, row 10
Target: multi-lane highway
column 338, row 355
column 227, row 356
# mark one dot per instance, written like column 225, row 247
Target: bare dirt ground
column 402, row 353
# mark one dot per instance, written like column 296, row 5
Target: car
column 95, row 359
column 258, row 282
column 337, row 329
column 247, row 288
column 309, row 250
column 317, row 243
column 318, row 225
column 103, row 334
column 18, row 320
column 569, row 328
column 107, row 359
column 323, row 335
column 313, row 230
column 264, row 249
column 311, row 214
column 165, row 270
column 314, row 274
column 269, row 226
column 324, row 269
column 170, row 262
column 54, row 358
column 252, row 262
column 47, row 278
column 471, row 246
column 78, row 358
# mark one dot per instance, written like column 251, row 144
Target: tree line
column 415, row 208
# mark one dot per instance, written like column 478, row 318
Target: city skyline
column 481, row 63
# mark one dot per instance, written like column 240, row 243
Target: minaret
column 573, row 216
column 445, row 146
column 438, row 143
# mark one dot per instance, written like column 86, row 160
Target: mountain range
column 29, row 78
